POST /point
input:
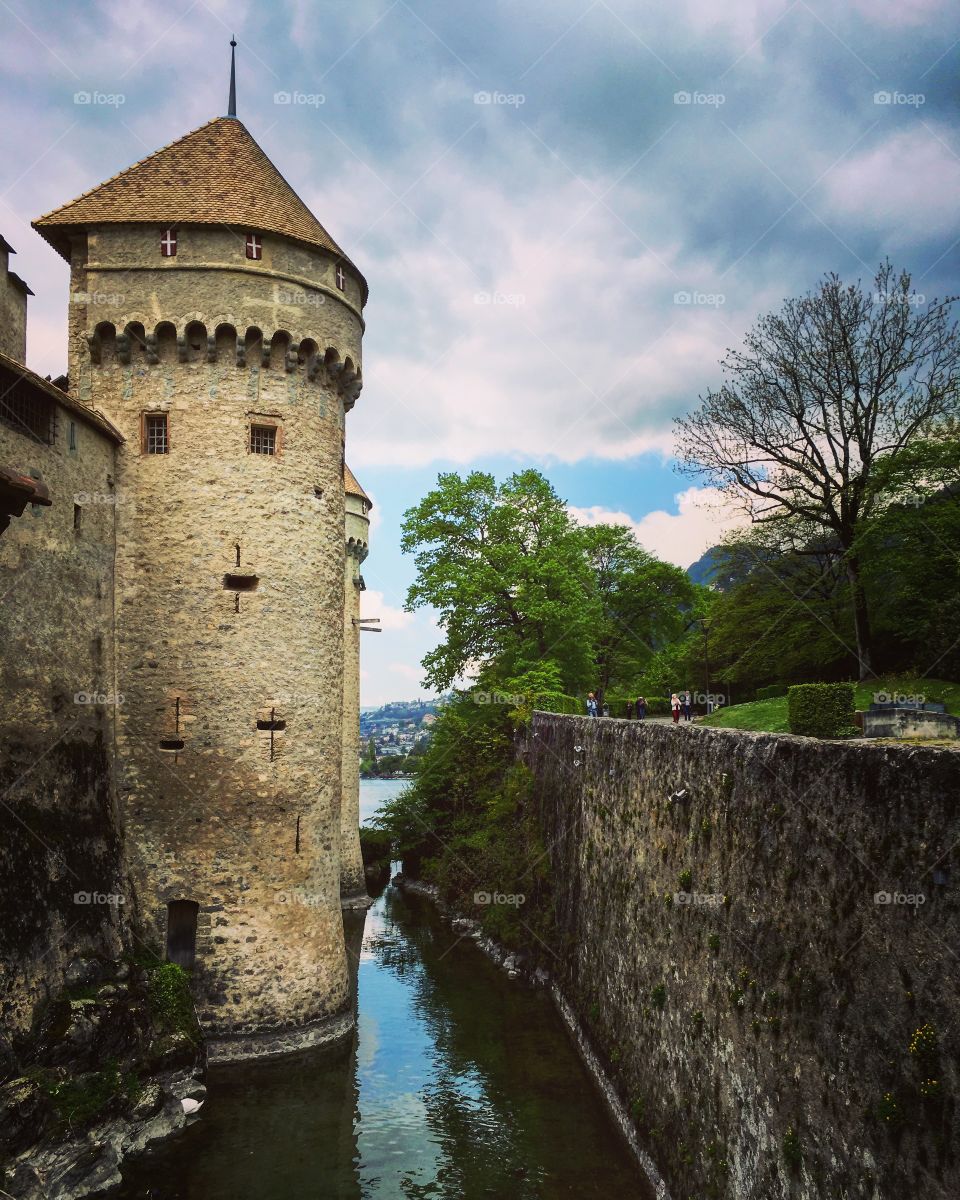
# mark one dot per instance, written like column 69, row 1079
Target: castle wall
column 59, row 832
column 758, row 1013
column 13, row 312
column 352, row 879
column 242, row 821
column 119, row 276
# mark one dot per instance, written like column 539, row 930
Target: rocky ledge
column 104, row 1076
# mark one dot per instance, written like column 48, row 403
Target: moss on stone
column 171, row 1005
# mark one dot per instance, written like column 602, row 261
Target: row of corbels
column 346, row 378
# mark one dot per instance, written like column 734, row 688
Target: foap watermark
column 717, row 699
column 112, row 898
column 303, row 99
column 914, row 299
column 284, row 697
column 111, row 499
column 705, row 299
column 113, row 299
column 513, row 899
column 900, row 99
column 480, row 697
column 700, row 99
column 506, row 299
column 115, row 698
column 301, row 299
column 302, row 898
column 506, row 99
column 103, row 99
column 916, row 698
column 699, row 899
column 910, row 899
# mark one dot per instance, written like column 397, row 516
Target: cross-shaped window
column 341, row 278
column 254, row 246
column 168, row 243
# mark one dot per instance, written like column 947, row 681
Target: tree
column 818, row 407
column 782, row 617
column 504, row 566
column 642, row 603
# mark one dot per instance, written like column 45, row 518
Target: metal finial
column 232, row 106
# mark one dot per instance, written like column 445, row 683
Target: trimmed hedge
column 773, row 691
column 823, row 710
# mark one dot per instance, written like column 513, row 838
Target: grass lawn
column 770, row 716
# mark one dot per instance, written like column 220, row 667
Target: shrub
column 792, row 1153
column 773, row 691
column 171, row 1005
column 923, row 1044
column 822, row 710
column 376, row 845
column 557, row 702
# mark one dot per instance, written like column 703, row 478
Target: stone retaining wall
column 755, row 929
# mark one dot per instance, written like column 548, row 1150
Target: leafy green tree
column 643, row 604
column 821, row 408
column 785, row 617
column 503, row 566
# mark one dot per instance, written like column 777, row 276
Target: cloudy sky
column 565, row 209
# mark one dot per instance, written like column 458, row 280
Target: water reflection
column 458, row 1084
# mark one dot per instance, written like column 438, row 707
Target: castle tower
column 353, row 889
column 217, row 323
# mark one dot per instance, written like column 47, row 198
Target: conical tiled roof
column 216, row 175
column 352, row 487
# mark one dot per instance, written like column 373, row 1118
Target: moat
column 460, row 1084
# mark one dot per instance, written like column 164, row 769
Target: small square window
column 254, row 245
column 168, row 243
column 156, row 438
column 263, row 439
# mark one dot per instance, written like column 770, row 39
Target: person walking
column 591, row 705
column 687, row 705
column 641, row 708
column 675, row 708
column 629, row 710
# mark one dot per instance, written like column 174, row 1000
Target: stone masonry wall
column 352, row 879
column 60, row 851
column 229, row 599
column 760, row 933
column 13, row 312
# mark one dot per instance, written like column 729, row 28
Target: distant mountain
column 705, row 568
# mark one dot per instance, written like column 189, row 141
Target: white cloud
column 414, row 674
column 372, row 604
column 703, row 517
column 907, row 184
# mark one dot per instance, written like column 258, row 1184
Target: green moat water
column 459, row 1085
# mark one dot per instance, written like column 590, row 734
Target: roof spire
column 232, row 105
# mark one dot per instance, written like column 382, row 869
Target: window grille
column 263, row 439
column 155, row 435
